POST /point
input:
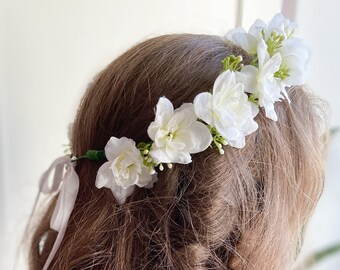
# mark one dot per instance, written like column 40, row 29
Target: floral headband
column 223, row 116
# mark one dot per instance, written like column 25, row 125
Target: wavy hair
column 245, row 209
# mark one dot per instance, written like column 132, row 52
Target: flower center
column 171, row 134
column 282, row 73
column 274, row 42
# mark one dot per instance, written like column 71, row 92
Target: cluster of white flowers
column 280, row 60
column 220, row 117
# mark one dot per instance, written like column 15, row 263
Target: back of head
column 241, row 210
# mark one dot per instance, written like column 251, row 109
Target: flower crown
column 223, row 116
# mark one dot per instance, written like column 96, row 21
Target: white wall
column 3, row 177
column 319, row 23
column 320, row 26
column 49, row 52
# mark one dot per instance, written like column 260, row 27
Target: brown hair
column 242, row 210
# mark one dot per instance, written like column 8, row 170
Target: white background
column 50, row 50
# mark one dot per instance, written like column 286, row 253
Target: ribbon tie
column 65, row 181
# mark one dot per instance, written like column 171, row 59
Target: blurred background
column 50, row 51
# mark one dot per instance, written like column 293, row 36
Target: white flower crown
column 220, row 117
column 223, row 116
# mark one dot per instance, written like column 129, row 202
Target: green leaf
column 334, row 131
column 321, row 255
column 95, row 155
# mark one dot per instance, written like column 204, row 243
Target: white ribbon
column 65, row 181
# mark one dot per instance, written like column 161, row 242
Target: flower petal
column 159, row 155
column 297, row 71
column 145, row 178
column 237, row 30
column 297, row 47
column 196, row 138
column 270, row 111
column 262, row 53
column 281, row 25
column 229, row 132
column 202, row 107
column 164, row 105
column 116, row 146
column 164, row 111
column 247, row 41
column 225, row 79
column 175, row 156
column 247, row 77
column 105, row 177
column 121, row 194
column 183, row 117
column 154, row 180
column 257, row 27
column 152, row 129
column 239, row 143
column 272, row 65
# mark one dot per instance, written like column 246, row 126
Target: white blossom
column 279, row 37
column 260, row 81
column 123, row 170
column 295, row 57
column 281, row 25
column 227, row 109
column 260, row 30
column 176, row 133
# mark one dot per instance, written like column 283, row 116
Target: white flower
column 294, row 52
column 261, row 81
column 227, row 109
column 279, row 37
column 123, row 170
column 260, row 30
column 246, row 40
column 295, row 57
column 281, row 25
column 176, row 133
column 278, row 25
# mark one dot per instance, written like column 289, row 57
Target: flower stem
column 92, row 155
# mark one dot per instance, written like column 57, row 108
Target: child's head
column 242, row 210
